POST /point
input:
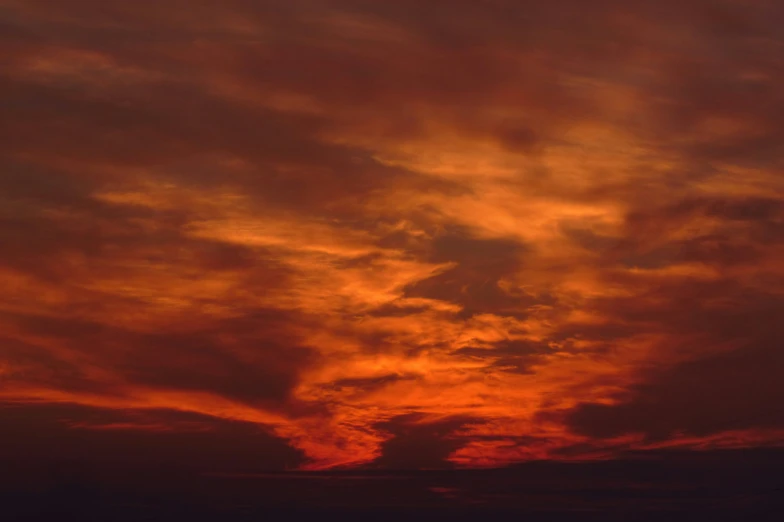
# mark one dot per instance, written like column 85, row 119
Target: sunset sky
column 317, row 234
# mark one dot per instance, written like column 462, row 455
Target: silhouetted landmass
column 743, row 485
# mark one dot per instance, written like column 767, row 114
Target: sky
column 324, row 234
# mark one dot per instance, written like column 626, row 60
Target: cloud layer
column 395, row 234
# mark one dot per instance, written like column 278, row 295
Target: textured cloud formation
column 395, row 234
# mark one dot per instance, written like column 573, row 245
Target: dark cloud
column 30, row 363
column 260, row 365
column 734, row 388
column 167, row 124
column 44, row 444
column 509, row 356
column 736, row 391
column 370, row 383
column 473, row 283
column 419, row 444
column 266, row 371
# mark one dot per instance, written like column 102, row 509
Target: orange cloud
column 397, row 234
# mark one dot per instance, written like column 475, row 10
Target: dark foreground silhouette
column 721, row 485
